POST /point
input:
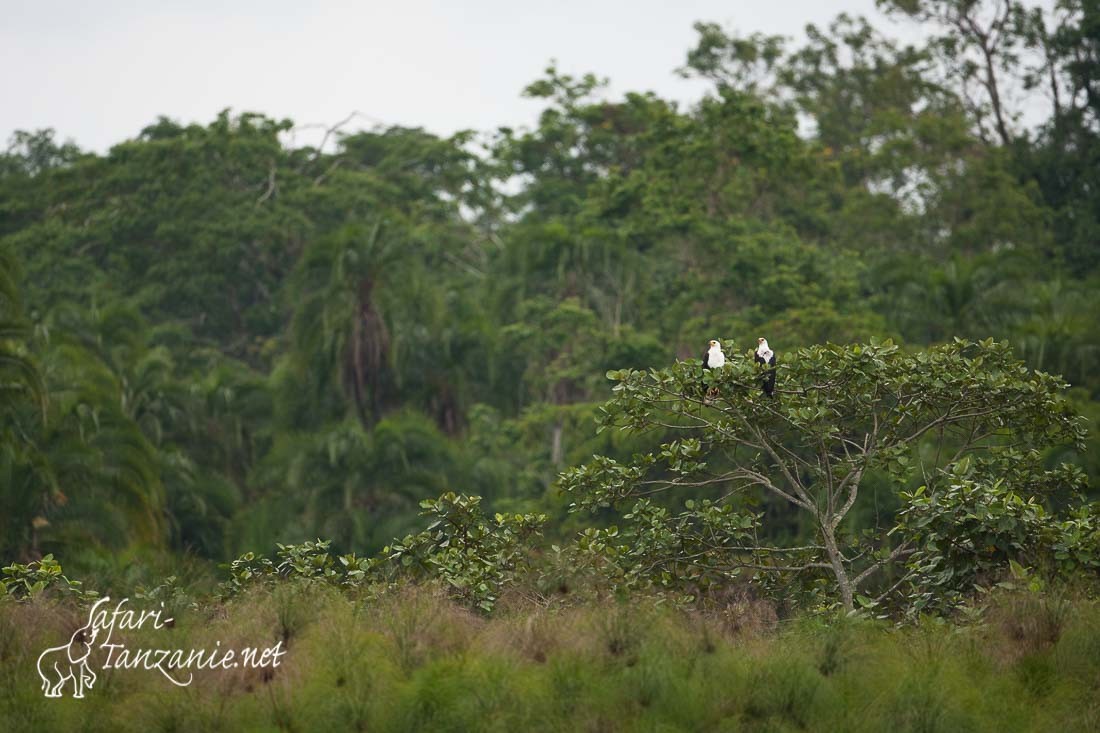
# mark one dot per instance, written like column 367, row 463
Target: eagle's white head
column 715, row 345
column 762, row 348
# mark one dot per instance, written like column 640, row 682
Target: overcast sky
column 98, row 71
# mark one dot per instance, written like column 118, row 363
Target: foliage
column 973, row 527
column 696, row 549
column 169, row 593
column 213, row 339
column 476, row 557
column 35, row 579
column 309, row 562
column 842, row 413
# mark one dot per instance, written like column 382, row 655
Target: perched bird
column 764, row 355
column 714, row 357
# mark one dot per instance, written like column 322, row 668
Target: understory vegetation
column 412, row 660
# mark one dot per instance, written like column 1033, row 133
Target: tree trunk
column 836, row 560
column 370, row 343
column 556, row 456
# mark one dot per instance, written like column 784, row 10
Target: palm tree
column 356, row 486
column 24, row 471
column 77, row 469
column 98, row 451
column 1059, row 333
column 19, row 374
column 966, row 296
column 341, row 289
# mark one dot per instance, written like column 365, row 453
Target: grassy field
column 411, row 660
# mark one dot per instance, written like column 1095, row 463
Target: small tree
column 839, row 414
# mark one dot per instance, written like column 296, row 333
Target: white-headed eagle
column 714, row 357
column 764, row 355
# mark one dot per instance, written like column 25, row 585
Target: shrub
column 30, row 581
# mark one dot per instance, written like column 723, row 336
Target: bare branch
column 330, row 131
column 272, row 186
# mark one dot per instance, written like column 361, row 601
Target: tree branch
column 897, row 552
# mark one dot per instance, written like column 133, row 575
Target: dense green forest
column 213, row 341
column 439, row 402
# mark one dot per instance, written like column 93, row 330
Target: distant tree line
column 211, row 341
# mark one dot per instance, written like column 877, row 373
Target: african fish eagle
column 714, row 357
column 764, row 355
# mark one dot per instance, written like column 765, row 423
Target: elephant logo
column 68, row 662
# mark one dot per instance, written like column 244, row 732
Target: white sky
column 98, row 71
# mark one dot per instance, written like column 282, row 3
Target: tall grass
column 411, row 660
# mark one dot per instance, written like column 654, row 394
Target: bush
column 39, row 577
